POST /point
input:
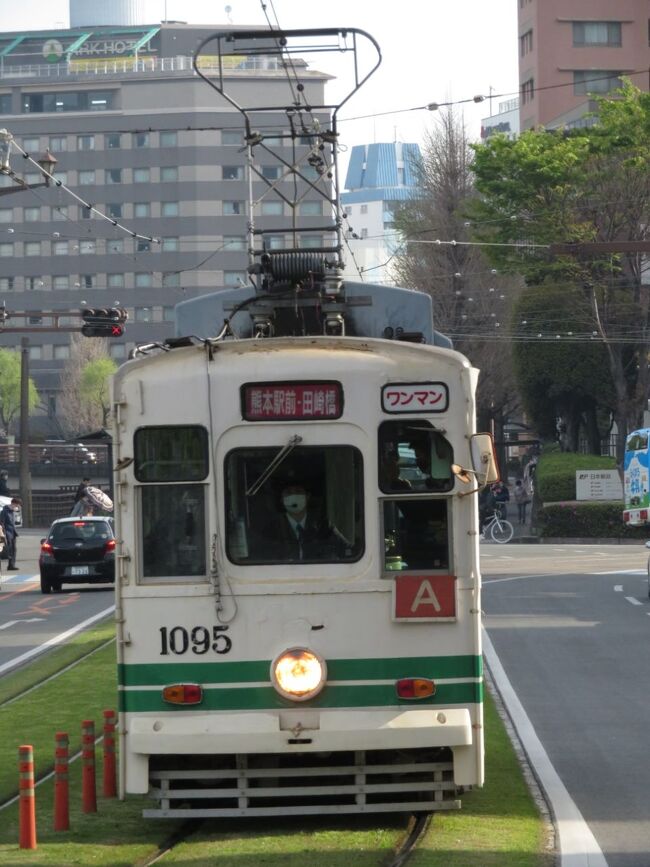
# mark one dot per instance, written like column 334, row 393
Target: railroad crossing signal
column 103, row 321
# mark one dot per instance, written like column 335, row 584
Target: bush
column 586, row 521
column 555, row 477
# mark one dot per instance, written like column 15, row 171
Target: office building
column 140, row 136
column 571, row 49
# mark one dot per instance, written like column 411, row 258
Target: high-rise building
column 571, row 49
column 137, row 134
column 379, row 177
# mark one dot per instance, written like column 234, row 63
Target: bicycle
column 498, row 528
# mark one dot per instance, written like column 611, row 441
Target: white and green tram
column 271, row 668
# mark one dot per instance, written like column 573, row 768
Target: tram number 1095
column 178, row 640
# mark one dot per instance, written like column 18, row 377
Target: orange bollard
column 110, row 776
column 61, row 793
column 88, row 788
column 26, row 798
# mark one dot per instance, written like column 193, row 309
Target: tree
column 588, row 184
column 10, row 376
column 84, row 401
column 470, row 300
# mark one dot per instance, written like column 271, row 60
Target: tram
column 298, row 594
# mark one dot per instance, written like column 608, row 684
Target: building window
column 527, row 91
column 168, row 314
column 234, row 278
column 62, row 176
column 271, row 173
column 234, row 242
column 142, row 209
column 171, row 279
column 85, row 142
column 115, row 245
column 141, row 176
column 141, row 140
column 118, row 350
column 313, row 240
column 6, row 215
column 169, row 245
column 60, row 248
column 6, row 250
column 143, row 245
column 114, row 210
column 168, row 173
column 71, row 100
column 169, row 209
column 233, row 208
column 273, row 141
column 61, row 282
column 5, row 103
column 62, row 352
column 6, row 284
column 168, row 139
column 86, row 213
column 311, row 209
column 597, row 33
column 363, row 209
column 115, row 281
column 526, row 43
column 143, row 314
column 232, row 137
column 595, row 81
column 87, row 248
column 31, row 144
column 34, row 283
column 113, row 140
column 144, row 279
column 33, row 248
column 33, row 177
column 86, row 177
column 113, row 176
column 272, row 209
column 35, row 353
column 60, row 212
column 274, row 242
column 232, row 173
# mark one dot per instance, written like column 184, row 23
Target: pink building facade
column 572, row 49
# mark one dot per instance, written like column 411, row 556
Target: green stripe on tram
column 266, row 698
column 436, row 668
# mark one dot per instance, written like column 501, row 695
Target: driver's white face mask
column 295, row 503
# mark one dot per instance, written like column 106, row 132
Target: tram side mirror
column 484, row 459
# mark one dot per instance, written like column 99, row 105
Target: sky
column 432, row 51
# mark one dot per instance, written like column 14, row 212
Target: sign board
column 598, row 485
column 428, row 597
column 281, row 401
column 399, row 397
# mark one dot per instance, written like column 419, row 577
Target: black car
column 77, row 551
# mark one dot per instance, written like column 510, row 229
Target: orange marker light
column 412, row 688
column 183, row 693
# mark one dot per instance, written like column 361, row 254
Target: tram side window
column 173, row 453
column 306, row 508
column 637, row 443
column 173, row 531
column 414, row 457
column 416, row 535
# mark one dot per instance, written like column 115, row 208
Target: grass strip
column 80, row 693
column 51, row 662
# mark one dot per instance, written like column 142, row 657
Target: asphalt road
column 571, row 626
column 30, row 621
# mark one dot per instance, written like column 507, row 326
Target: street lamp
column 48, row 164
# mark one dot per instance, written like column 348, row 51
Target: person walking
column 8, row 522
column 4, row 484
column 502, row 497
column 521, row 499
column 80, row 493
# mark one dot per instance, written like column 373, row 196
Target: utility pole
column 24, row 472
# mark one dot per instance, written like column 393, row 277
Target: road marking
column 618, row 588
column 24, row 620
column 622, row 572
column 519, row 577
column 56, row 639
column 633, row 601
column 578, row 846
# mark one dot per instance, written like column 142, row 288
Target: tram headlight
column 298, row 673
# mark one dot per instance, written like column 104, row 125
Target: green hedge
column 586, row 521
column 555, row 478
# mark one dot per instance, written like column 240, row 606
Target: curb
column 547, row 540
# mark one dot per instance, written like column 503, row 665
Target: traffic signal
column 103, row 321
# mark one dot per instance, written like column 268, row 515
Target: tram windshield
column 309, row 510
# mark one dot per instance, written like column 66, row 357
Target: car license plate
column 78, row 570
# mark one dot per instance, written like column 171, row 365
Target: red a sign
column 429, row 597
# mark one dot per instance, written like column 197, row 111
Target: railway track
column 416, row 828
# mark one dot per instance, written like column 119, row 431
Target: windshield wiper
column 275, row 463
